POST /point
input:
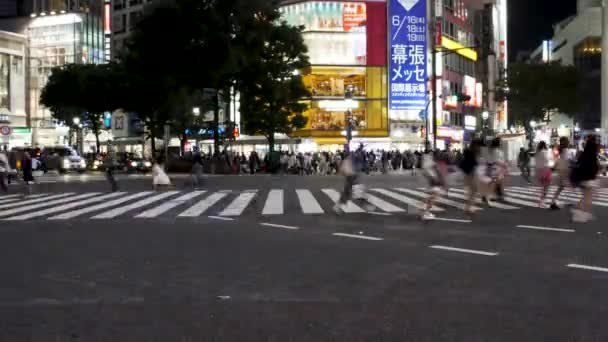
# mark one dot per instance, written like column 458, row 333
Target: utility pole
column 348, row 96
column 433, row 27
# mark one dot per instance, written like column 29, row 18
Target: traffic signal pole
column 433, row 28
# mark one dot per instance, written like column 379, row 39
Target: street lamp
column 532, row 126
column 485, row 115
column 196, row 111
column 76, row 121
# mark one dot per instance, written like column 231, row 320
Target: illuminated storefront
column 338, row 36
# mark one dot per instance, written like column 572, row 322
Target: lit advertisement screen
column 332, row 16
column 326, row 48
column 407, row 55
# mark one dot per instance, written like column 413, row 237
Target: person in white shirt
column 5, row 169
column 543, row 170
column 159, row 177
column 564, row 165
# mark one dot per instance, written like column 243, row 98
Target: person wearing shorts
column 564, row 165
column 584, row 176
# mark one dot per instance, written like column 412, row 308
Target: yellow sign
column 458, row 48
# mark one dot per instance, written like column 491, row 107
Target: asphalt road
column 519, row 274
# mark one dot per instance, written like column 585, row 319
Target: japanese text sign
column 407, row 54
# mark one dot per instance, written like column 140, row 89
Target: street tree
column 83, row 91
column 271, row 99
column 534, row 91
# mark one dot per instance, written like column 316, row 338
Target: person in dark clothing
column 468, row 165
column 523, row 161
column 584, row 176
column 28, row 176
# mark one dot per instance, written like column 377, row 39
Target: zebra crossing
column 232, row 203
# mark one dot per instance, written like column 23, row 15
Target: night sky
column 531, row 21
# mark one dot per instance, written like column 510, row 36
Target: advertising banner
column 407, row 55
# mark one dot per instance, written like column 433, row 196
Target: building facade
column 12, row 90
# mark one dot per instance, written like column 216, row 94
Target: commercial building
column 577, row 41
column 13, row 118
column 55, row 33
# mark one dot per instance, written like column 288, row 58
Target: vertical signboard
column 407, row 55
column 107, row 30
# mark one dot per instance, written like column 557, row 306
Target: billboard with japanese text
column 407, row 55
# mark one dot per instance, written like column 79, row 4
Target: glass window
column 328, row 81
column 328, row 119
column 5, row 68
column 333, row 48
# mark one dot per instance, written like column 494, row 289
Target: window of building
column 5, row 74
column 588, row 54
column 333, row 82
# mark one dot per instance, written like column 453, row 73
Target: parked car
column 131, row 163
column 63, row 159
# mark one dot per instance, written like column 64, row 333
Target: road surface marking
column 15, row 198
column 548, row 229
column 383, row 205
column 478, row 200
column 462, row 250
column 335, row 197
column 533, row 196
column 101, row 206
column 10, row 196
column 26, row 202
column 378, row 214
column 274, row 203
column 589, row 268
column 47, row 204
column 220, row 218
column 65, row 207
column 361, row 237
column 572, row 197
column 450, row 220
column 279, row 226
column 404, row 199
column 510, row 200
column 308, row 203
column 237, row 206
column 199, row 208
column 163, row 208
column 438, row 200
column 122, row 210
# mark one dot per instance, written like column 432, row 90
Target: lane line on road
column 547, row 229
column 450, row 220
column 308, row 203
column 220, row 218
column 361, row 237
column 75, row 213
column 279, row 226
column 463, row 250
column 588, row 268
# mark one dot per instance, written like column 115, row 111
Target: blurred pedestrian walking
column 584, row 176
column 435, row 174
column 159, row 177
column 543, row 170
column 197, row 172
column 564, row 166
column 28, row 176
column 5, row 170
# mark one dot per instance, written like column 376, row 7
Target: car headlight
column 133, row 164
column 83, row 164
column 148, row 164
column 96, row 163
column 66, row 163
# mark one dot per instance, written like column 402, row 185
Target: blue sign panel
column 407, row 52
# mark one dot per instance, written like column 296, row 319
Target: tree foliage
column 83, row 91
column 272, row 101
column 536, row 90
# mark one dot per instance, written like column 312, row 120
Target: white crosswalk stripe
column 26, row 202
column 233, row 203
column 16, row 198
column 382, row 204
column 76, row 213
column 163, row 208
column 239, row 205
column 404, row 199
column 274, row 203
column 439, row 200
column 335, row 197
column 453, row 194
column 63, row 207
column 21, row 209
column 139, row 204
column 3, row 197
column 509, row 199
column 308, row 202
column 202, row 206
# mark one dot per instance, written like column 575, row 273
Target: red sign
column 107, row 29
column 354, row 15
column 438, row 32
column 5, row 130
